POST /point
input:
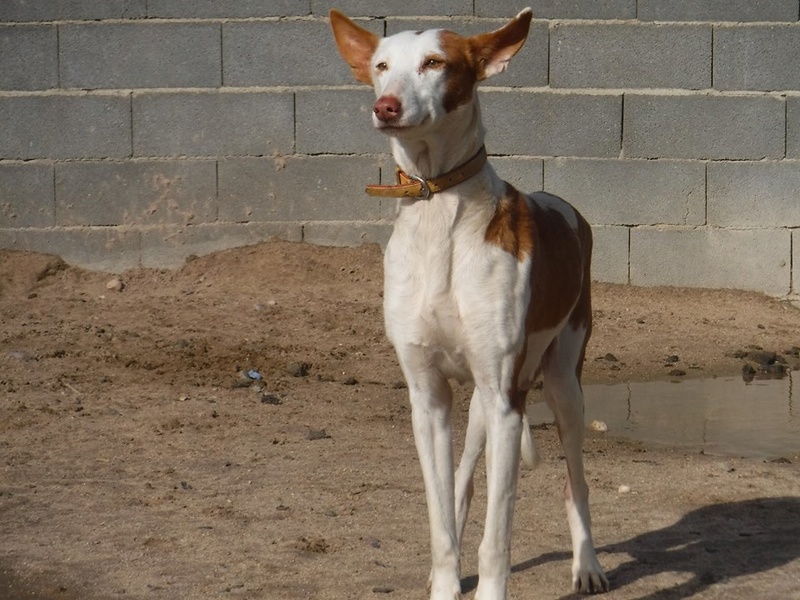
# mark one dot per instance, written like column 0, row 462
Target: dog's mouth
column 400, row 129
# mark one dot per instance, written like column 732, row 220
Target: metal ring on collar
column 426, row 190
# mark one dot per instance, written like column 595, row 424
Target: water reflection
column 720, row 416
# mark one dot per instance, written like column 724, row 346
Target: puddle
column 722, row 416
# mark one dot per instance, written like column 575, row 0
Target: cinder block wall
column 136, row 132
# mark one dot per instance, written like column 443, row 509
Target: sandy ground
column 138, row 461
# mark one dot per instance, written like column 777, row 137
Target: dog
column 482, row 283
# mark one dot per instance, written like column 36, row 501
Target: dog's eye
column 432, row 63
column 381, row 66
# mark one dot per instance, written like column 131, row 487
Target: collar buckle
column 425, row 192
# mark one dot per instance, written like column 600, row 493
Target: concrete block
column 63, row 126
column 392, row 8
column 140, row 55
column 30, row 57
column 704, row 127
column 610, row 254
column 109, row 249
column 792, row 127
column 626, row 55
column 525, row 174
column 26, row 195
column 717, row 10
column 284, row 53
column 528, row 68
column 319, row 188
column 754, row 194
column 631, row 192
column 347, row 233
column 560, row 9
column 552, row 124
column 746, row 259
column 212, row 123
column 213, row 9
column 337, row 122
column 136, row 193
column 167, row 247
column 755, row 58
column 796, row 262
column 62, row 10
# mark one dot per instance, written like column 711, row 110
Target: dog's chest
column 443, row 284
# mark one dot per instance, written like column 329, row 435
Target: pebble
column 298, row 369
column 624, row 489
column 317, row 434
column 273, row 399
column 115, row 285
column 598, row 426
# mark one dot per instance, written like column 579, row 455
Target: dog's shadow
column 711, row 544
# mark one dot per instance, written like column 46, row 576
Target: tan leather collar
column 409, row 186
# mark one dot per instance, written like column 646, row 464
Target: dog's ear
column 493, row 50
column 356, row 45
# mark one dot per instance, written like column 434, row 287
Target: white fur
column 455, row 306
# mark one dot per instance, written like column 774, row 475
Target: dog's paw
column 443, row 591
column 589, row 578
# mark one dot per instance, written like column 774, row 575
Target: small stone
column 624, row 489
column 598, row 426
column 672, row 359
column 762, row 357
column 350, row 381
column 298, row 369
column 273, row 399
column 610, row 357
column 242, row 381
column 115, row 285
column 317, row 434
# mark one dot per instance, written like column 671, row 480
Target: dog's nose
column 387, row 108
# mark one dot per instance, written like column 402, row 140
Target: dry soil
column 139, row 461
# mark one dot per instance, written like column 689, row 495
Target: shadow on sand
column 712, row 544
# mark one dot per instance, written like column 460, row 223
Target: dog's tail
column 530, row 458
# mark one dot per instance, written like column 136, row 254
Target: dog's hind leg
column 563, row 393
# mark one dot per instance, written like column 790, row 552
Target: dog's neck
column 450, row 146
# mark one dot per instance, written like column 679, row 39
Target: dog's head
column 420, row 77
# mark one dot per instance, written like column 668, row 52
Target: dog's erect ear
column 494, row 50
column 356, row 45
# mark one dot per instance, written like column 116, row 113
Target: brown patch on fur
column 460, row 70
column 560, row 275
column 512, row 227
column 559, row 270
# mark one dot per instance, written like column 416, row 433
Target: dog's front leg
column 431, row 400
column 503, row 430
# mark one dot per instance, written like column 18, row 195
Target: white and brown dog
column 482, row 283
